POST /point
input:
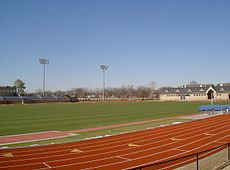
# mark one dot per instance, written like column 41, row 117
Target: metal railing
column 207, row 159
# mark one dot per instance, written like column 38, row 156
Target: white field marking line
column 13, row 166
column 171, row 149
column 33, row 133
column 126, row 161
column 85, row 162
column 99, row 149
column 107, row 158
column 181, row 153
column 47, row 165
column 139, row 157
column 136, row 134
column 123, row 158
column 133, row 134
column 55, row 148
column 39, row 139
column 191, row 159
column 101, row 153
column 208, row 134
column 117, row 139
column 223, row 142
column 183, row 150
column 149, row 156
column 98, row 154
column 128, row 139
column 88, row 146
column 147, row 135
column 182, row 145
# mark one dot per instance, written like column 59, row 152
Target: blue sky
column 170, row 42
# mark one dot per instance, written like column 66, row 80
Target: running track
column 124, row 151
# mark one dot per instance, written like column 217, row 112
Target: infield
column 19, row 119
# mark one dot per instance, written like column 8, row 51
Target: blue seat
column 213, row 107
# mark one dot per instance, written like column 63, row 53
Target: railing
column 207, row 159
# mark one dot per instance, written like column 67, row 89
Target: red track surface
column 124, row 151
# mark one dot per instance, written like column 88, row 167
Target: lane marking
column 127, row 159
column 186, row 151
column 7, row 155
column 175, row 139
column 160, row 131
column 209, row 134
column 69, row 146
column 47, row 165
column 76, row 151
column 133, row 145
column 191, row 159
column 162, row 159
column 64, row 154
column 223, row 142
column 183, row 150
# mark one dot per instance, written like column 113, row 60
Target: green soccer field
column 18, row 119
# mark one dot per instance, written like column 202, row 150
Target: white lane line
column 183, row 150
column 119, row 150
column 47, row 165
column 128, row 139
column 68, row 159
column 223, row 142
column 34, row 133
column 124, row 144
column 43, row 139
column 159, row 131
column 173, row 156
column 208, row 134
column 175, row 139
column 125, row 161
column 191, row 159
column 124, row 158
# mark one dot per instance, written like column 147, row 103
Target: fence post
column 197, row 162
column 228, row 151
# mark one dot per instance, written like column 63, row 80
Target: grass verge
column 88, row 135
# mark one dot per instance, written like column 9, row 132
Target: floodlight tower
column 212, row 98
column 44, row 62
column 103, row 68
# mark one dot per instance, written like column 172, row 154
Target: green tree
column 20, row 85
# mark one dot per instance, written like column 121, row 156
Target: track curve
column 123, row 151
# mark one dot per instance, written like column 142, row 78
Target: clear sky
column 170, row 42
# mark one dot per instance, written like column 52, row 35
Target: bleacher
column 214, row 109
column 34, row 99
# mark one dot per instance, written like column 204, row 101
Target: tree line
column 143, row 91
column 130, row 91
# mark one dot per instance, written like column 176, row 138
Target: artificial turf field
column 18, row 119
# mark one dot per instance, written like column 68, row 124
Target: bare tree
column 193, row 82
column 153, row 88
column 60, row 93
column 125, row 92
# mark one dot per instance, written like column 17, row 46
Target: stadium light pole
column 103, row 68
column 44, row 62
column 212, row 98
